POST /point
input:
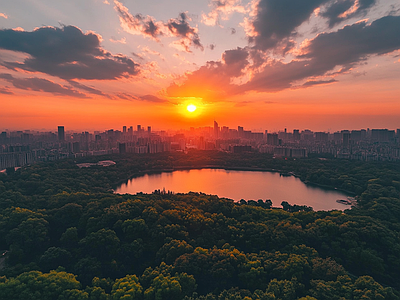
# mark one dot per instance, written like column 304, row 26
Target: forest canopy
column 66, row 235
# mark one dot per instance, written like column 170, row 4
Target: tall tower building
column 216, row 129
column 61, row 133
column 345, row 138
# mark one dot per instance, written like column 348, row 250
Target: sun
column 191, row 108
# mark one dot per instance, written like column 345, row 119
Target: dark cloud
column 354, row 43
column 126, row 96
column 147, row 26
column 65, row 52
column 41, row 85
column 318, row 82
column 322, row 56
column 235, row 61
column 181, row 28
column 341, row 10
column 88, row 89
column 138, row 56
column 276, row 20
column 138, row 23
column 149, row 98
column 343, row 48
column 5, row 91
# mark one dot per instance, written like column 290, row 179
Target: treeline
column 69, row 237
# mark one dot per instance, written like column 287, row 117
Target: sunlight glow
column 191, row 108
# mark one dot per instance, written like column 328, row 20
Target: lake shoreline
column 272, row 192
column 255, row 169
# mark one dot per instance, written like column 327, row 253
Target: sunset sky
column 263, row 64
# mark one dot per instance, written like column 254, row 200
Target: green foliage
column 127, row 288
column 196, row 246
column 36, row 285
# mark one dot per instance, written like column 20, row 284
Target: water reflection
column 238, row 185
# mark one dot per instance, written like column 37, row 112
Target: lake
column 238, row 185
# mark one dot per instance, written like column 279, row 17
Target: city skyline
column 20, row 148
column 323, row 65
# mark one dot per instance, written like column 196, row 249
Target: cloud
column 243, row 103
column 213, row 81
column 181, row 28
column 341, row 10
column 318, row 82
column 2, row 15
column 151, row 98
column 235, row 61
column 5, row 91
column 275, row 21
column 137, row 56
column 146, row 50
column 67, row 53
column 221, row 10
column 344, row 48
column 147, row 26
column 354, row 43
column 321, row 56
column 126, row 96
column 88, row 89
column 148, row 98
column 41, row 85
column 138, row 24
column 121, row 41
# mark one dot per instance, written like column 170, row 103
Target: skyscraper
column 61, row 133
column 216, row 129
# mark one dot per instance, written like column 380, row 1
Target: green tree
column 127, row 288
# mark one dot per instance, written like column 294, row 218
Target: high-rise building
column 345, row 138
column 321, row 136
column 122, row 148
column 124, row 129
column 61, row 133
column 272, row 139
column 240, row 131
column 76, row 147
column 296, row 134
column 3, row 136
column 216, row 129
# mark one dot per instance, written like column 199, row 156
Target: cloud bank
column 41, row 85
column 319, row 57
column 67, row 53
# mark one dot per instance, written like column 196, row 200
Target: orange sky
column 107, row 68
